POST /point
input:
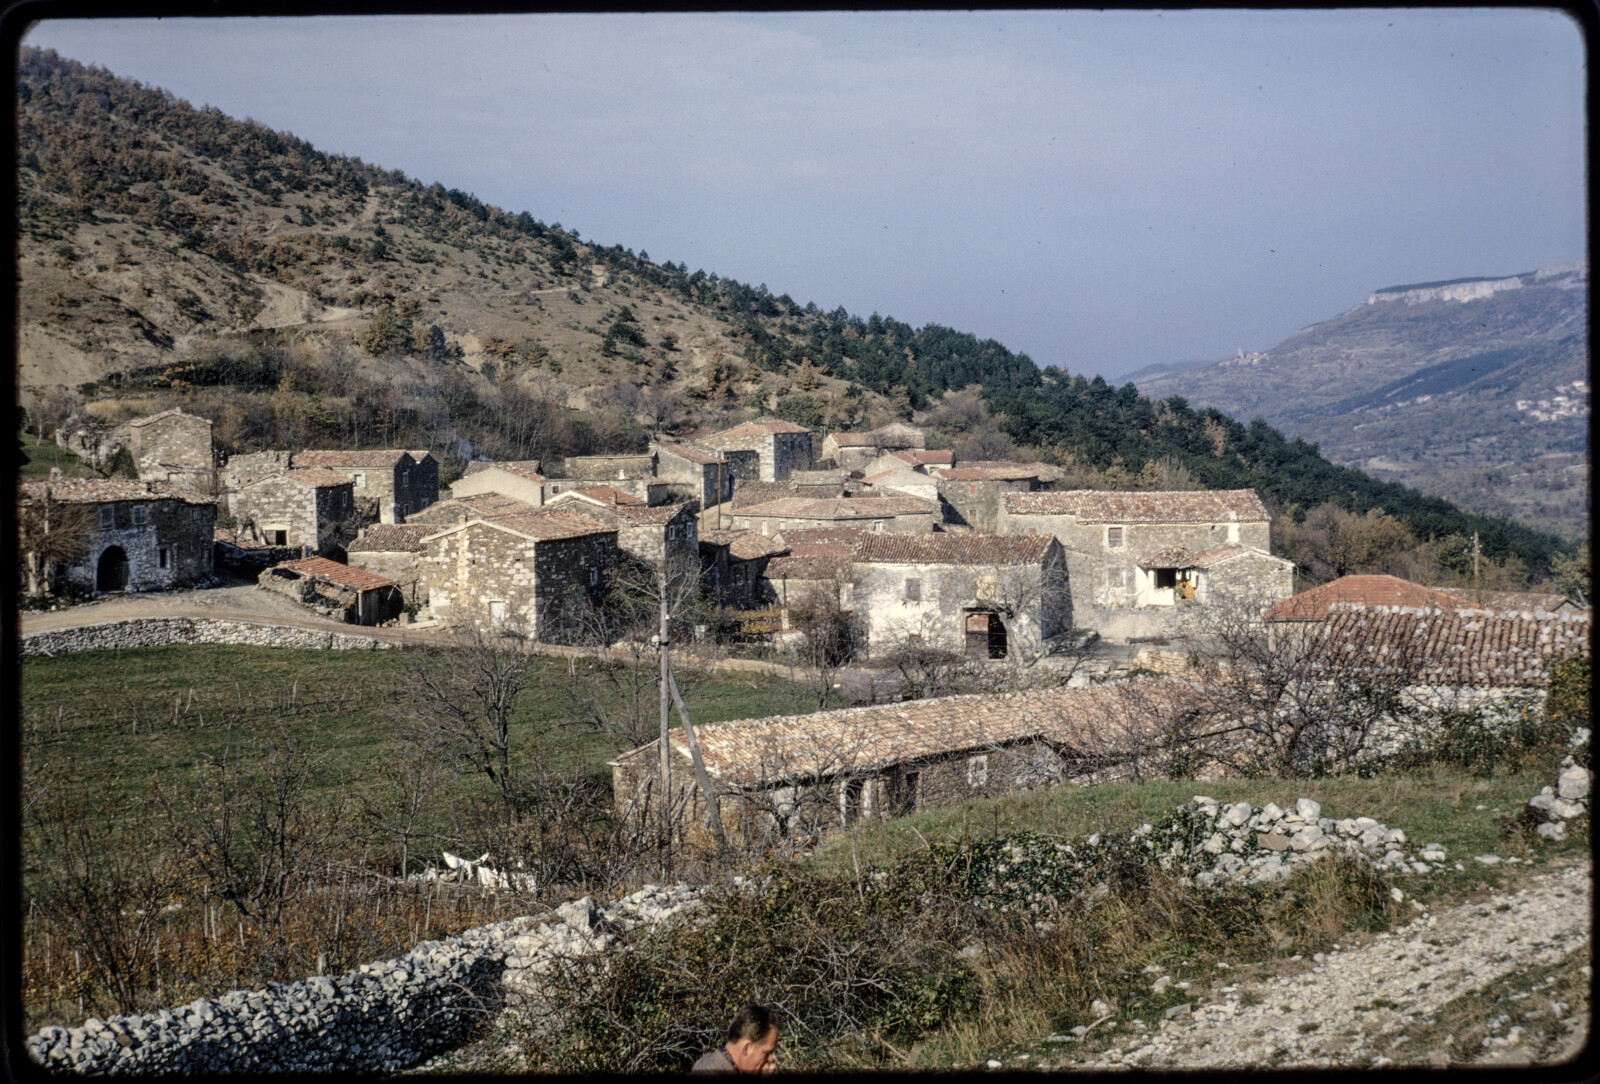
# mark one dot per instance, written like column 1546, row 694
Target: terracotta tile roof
column 837, row 508
column 1085, row 722
column 876, row 547
column 106, row 490
column 1522, row 601
column 745, row 545
column 486, row 505
column 1455, row 648
column 522, row 468
column 600, row 495
column 393, row 538
column 775, row 425
column 343, row 575
column 926, row 456
column 854, row 440
column 995, row 472
column 1148, row 506
column 748, row 491
column 549, row 525
column 692, row 452
column 1373, row 590
column 808, row 566
column 806, row 539
column 1171, row 557
column 368, row 459
column 640, row 515
column 175, row 412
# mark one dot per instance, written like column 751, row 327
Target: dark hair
column 753, row 1023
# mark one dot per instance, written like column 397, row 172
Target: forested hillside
column 171, row 255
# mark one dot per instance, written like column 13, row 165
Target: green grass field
column 40, row 456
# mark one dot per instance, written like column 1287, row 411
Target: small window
column 1114, row 538
column 497, row 613
column 361, row 481
column 166, row 557
column 594, row 577
column 977, row 771
column 972, row 490
column 913, row 590
column 555, row 489
column 877, row 525
column 138, row 515
column 1166, row 577
column 108, row 515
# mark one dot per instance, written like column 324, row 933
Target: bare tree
column 462, row 698
column 825, row 628
column 50, row 532
column 406, row 783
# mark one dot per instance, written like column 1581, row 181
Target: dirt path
column 1500, row 980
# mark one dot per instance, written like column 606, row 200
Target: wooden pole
column 665, row 681
column 1477, row 585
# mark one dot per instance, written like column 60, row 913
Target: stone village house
column 394, row 482
column 519, row 478
column 145, row 536
column 989, row 596
column 538, row 573
column 394, row 551
column 780, row 446
column 634, row 475
column 733, row 566
column 309, row 508
column 972, row 491
column 665, row 533
column 856, row 451
column 353, row 595
column 693, row 473
column 1109, row 538
column 174, row 447
column 798, row 775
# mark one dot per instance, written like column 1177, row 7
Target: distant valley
column 1476, row 389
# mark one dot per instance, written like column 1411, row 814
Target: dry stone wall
column 162, row 631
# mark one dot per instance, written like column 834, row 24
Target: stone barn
column 780, row 447
column 309, row 508
column 336, row 590
column 174, row 447
column 394, row 550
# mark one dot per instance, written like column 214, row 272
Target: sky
column 1099, row 190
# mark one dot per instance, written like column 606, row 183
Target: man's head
column 752, row 1037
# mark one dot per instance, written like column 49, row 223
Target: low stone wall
column 381, row 1017
column 161, row 631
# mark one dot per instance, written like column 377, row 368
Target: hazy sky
column 1101, row 190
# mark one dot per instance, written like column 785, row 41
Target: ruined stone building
column 388, row 483
column 353, row 595
column 983, row 595
column 176, row 447
column 144, row 536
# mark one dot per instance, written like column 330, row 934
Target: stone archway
column 112, row 573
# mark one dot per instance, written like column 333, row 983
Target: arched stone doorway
column 112, row 574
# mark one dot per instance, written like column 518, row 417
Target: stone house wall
column 309, row 515
column 977, row 504
column 690, row 480
column 167, row 544
column 768, row 457
column 490, row 480
column 909, row 523
column 241, row 470
column 485, row 576
column 174, row 447
column 888, row 610
column 400, row 566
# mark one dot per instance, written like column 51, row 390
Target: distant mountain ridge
column 1456, row 387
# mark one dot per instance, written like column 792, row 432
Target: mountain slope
column 173, row 256
column 1476, row 389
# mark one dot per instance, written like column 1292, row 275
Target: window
column 139, row 511
column 850, row 795
column 1166, row 577
column 1114, row 538
column 594, row 577
column 361, row 481
column 108, row 515
column 877, row 525
column 977, row 771
column 554, row 490
column 972, row 490
column 166, row 557
column 497, row 613
column 913, row 590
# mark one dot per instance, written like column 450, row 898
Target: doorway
column 986, row 636
column 112, row 574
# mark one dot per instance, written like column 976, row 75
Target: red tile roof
column 745, row 545
column 1523, row 601
column 369, row 459
column 548, row 525
column 875, row 547
column 1149, row 506
column 1453, row 648
column 343, row 575
column 804, row 539
column 393, row 538
column 639, row 515
column 808, row 566
column 1092, row 723
column 1372, row 590
column 926, row 457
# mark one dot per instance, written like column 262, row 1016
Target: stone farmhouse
column 634, row 475
column 1110, row 536
column 733, row 566
column 857, row 451
column 896, row 515
column 392, row 482
column 394, row 551
column 984, row 595
column 780, row 446
column 309, row 508
column 693, row 473
column 174, row 447
column 666, row 532
column 796, row 775
column 145, row 536
column 538, row 573
column 816, row 568
column 353, row 595
column 972, row 491
column 1174, row 575
column 903, row 479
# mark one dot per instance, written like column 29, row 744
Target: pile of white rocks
column 380, row 1017
column 1269, row 843
column 1568, row 800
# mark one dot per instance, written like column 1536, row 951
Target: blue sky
column 1101, row 190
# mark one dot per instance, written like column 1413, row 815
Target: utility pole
column 666, row 763
column 1477, row 586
